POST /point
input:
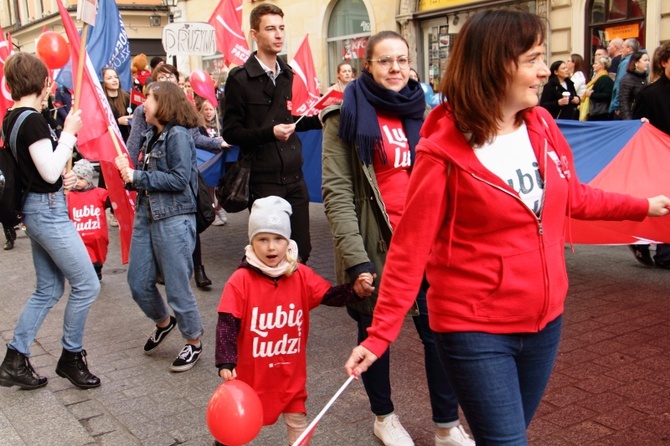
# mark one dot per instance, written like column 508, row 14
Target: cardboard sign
column 189, row 39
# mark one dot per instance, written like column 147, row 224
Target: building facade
column 338, row 29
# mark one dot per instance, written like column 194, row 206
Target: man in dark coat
column 258, row 119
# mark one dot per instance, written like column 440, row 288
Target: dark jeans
column 662, row 256
column 298, row 197
column 499, row 379
column 377, row 382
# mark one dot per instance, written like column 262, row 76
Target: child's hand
column 228, row 375
column 363, row 285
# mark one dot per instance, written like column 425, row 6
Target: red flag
column 230, row 40
column 328, row 99
column 94, row 140
column 5, row 96
column 305, row 83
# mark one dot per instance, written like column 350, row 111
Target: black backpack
column 11, row 192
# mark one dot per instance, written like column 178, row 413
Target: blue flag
column 107, row 46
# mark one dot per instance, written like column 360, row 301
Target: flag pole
column 112, row 135
column 80, row 66
column 323, row 411
column 80, row 75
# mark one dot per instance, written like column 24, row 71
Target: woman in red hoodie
column 490, row 195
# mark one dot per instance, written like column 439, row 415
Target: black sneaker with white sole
column 187, row 358
column 158, row 335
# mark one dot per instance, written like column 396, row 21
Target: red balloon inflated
column 234, row 413
column 203, row 85
column 53, row 50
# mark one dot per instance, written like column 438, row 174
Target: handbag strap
column 13, row 136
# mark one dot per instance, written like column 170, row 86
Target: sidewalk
column 610, row 387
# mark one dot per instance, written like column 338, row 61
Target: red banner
column 94, row 140
column 137, row 98
column 230, row 40
column 305, row 83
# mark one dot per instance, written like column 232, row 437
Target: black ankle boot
column 201, row 278
column 10, row 236
column 17, row 371
column 74, row 367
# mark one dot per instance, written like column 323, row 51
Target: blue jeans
column 377, row 383
column 168, row 244
column 58, row 254
column 499, row 379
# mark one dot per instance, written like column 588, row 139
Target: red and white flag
column 230, row 40
column 305, row 83
column 5, row 96
column 94, row 140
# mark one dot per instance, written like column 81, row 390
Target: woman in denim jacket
column 164, row 229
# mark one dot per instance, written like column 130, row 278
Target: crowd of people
column 408, row 193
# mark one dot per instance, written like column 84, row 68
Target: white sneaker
column 221, row 218
column 111, row 220
column 391, row 432
column 457, row 437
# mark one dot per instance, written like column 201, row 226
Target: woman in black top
column 57, row 249
column 632, row 83
column 554, row 99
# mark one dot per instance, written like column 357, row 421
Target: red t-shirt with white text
column 393, row 177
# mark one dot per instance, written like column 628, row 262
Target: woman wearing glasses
column 368, row 150
column 487, row 206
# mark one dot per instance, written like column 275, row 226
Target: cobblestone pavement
column 610, row 385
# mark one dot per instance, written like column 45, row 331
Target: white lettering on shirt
column 263, row 323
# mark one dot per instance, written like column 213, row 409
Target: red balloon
column 234, row 413
column 203, row 85
column 53, row 50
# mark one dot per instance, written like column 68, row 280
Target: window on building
column 608, row 19
column 438, row 34
column 348, row 32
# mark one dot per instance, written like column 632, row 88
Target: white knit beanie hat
column 84, row 170
column 270, row 214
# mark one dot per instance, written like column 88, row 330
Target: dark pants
column 499, row 379
column 298, row 197
column 377, row 382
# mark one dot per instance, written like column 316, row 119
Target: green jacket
column 354, row 208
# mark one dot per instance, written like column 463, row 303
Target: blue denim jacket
column 168, row 174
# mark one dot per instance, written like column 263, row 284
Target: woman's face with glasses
column 389, row 64
column 167, row 77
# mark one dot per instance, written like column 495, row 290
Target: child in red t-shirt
column 86, row 207
column 261, row 335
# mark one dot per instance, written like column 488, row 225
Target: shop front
column 439, row 21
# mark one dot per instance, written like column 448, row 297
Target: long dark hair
column 481, row 68
column 635, row 58
column 121, row 102
column 578, row 60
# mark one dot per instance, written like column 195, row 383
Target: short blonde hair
column 605, row 60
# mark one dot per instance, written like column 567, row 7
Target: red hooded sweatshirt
column 493, row 266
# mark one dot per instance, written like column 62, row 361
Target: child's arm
column 227, row 330
column 341, row 295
